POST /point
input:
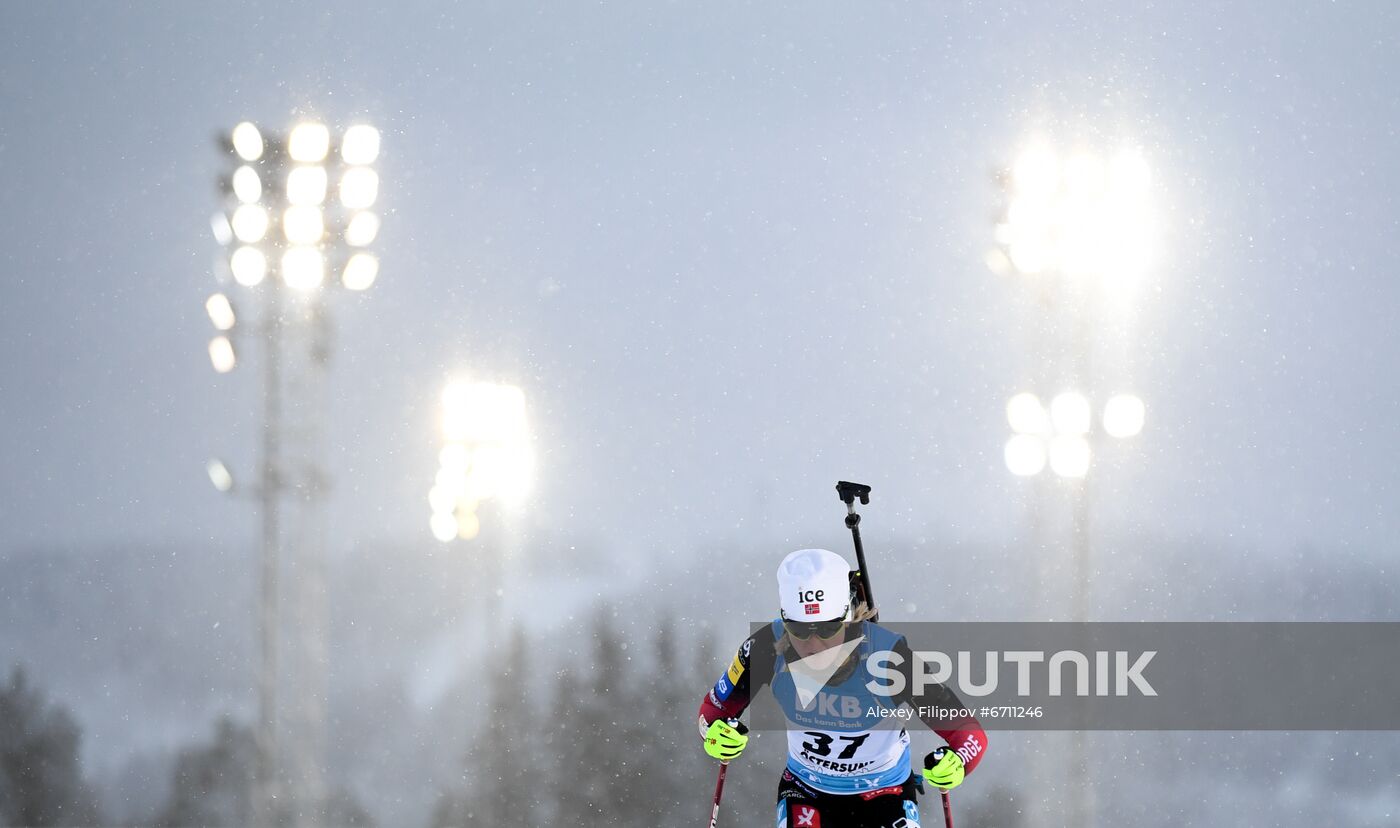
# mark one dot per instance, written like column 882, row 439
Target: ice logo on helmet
column 810, row 600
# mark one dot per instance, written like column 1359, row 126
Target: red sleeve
column 968, row 741
column 711, row 709
column 730, row 695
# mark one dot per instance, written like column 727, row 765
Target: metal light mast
column 1079, row 227
column 284, row 231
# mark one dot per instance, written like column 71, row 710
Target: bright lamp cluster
column 1058, row 435
column 285, row 219
column 486, row 455
column 1080, row 215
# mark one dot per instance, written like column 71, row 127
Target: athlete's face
column 815, row 644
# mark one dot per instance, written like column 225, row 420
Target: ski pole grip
column 848, row 492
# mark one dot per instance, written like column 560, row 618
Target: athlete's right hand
column 726, row 740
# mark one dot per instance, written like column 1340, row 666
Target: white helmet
column 814, row 585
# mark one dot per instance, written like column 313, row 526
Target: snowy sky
column 732, row 252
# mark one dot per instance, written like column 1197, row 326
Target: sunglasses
column 821, row 629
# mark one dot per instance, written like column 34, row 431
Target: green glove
column 943, row 769
column 725, row 741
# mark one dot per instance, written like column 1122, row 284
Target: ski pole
column 719, row 791
column 947, row 803
column 848, row 492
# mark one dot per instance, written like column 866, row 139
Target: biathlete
column 847, row 765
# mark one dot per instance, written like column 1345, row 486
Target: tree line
column 592, row 725
column 605, row 737
column 42, row 781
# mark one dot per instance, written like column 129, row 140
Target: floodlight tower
column 283, row 231
column 1079, row 227
column 486, row 456
column 1062, row 436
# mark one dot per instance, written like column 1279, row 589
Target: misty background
column 731, row 254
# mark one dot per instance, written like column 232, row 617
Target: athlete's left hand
column 943, row 769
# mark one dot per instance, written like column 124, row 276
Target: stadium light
column 247, row 141
column 1061, row 438
column 444, row 526
column 249, row 266
column 247, row 187
column 306, row 186
column 360, row 145
column 286, row 232
column 303, row 225
column 219, row 475
column 1079, row 215
column 487, row 456
column 359, row 188
column 1026, row 415
column 1069, row 455
column 1123, row 416
column 303, row 268
column 250, row 223
column 362, row 229
column 1025, row 455
column 360, row 271
column 220, row 312
column 221, row 354
column 309, row 143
